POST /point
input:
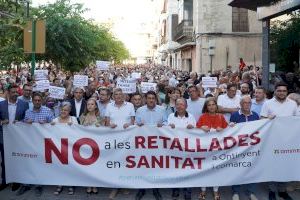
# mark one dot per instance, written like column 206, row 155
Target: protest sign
column 41, row 74
column 81, row 80
column 41, row 85
column 102, row 65
column 57, row 92
column 127, row 86
column 209, row 82
column 136, row 75
column 145, row 87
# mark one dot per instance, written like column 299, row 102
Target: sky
column 129, row 18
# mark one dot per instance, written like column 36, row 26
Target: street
column 7, row 194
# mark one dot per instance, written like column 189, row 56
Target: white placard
column 81, row 80
column 57, row 92
column 136, row 75
column 145, row 87
column 127, row 86
column 102, row 65
column 209, row 82
column 272, row 68
column 42, row 85
column 41, row 74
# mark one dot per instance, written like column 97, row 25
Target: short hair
column 65, row 104
column 281, row 84
column 117, row 90
column 39, row 94
column 231, row 85
column 104, row 89
column 77, row 87
column 261, row 88
column 151, row 93
column 183, row 99
column 192, row 86
column 26, row 85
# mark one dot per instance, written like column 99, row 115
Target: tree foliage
column 72, row 41
column 285, row 42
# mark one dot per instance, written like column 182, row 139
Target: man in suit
column 78, row 103
column 11, row 111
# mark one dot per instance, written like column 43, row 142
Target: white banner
column 40, row 74
column 102, row 65
column 209, row 82
column 145, row 87
column 127, row 86
column 136, row 75
column 57, row 92
column 151, row 157
column 81, row 80
column 41, row 85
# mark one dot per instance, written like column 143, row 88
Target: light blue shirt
column 28, row 101
column 256, row 107
column 151, row 117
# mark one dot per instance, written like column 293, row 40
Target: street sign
column 40, row 38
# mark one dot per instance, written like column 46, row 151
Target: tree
column 74, row 42
column 11, row 33
column 285, row 42
column 71, row 41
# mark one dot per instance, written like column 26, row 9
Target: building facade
column 210, row 35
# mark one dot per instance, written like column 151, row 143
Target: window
column 240, row 21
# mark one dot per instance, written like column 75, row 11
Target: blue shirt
column 256, row 107
column 151, row 116
column 239, row 117
column 44, row 114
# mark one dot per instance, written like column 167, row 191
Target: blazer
column 73, row 107
column 22, row 106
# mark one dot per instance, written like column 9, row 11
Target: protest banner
column 145, row 87
column 136, row 75
column 57, row 92
column 41, row 85
column 127, row 86
column 209, row 82
column 152, row 157
column 40, row 75
column 102, row 65
column 81, row 80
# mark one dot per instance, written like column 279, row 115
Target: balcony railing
column 184, row 31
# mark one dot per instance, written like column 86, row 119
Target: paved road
column 80, row 194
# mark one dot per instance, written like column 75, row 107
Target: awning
column 250, row 4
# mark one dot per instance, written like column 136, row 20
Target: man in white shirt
column 230, row 102
column 195, row 103
column 119, row 113
column 181, row 119
column 279, row 106
column 27, row 92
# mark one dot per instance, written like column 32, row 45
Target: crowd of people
column 180, row 101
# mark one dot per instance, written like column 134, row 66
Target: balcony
column 184, row 32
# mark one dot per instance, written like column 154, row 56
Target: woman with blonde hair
column 91, row 117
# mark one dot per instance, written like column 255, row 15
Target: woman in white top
column 64, row 118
